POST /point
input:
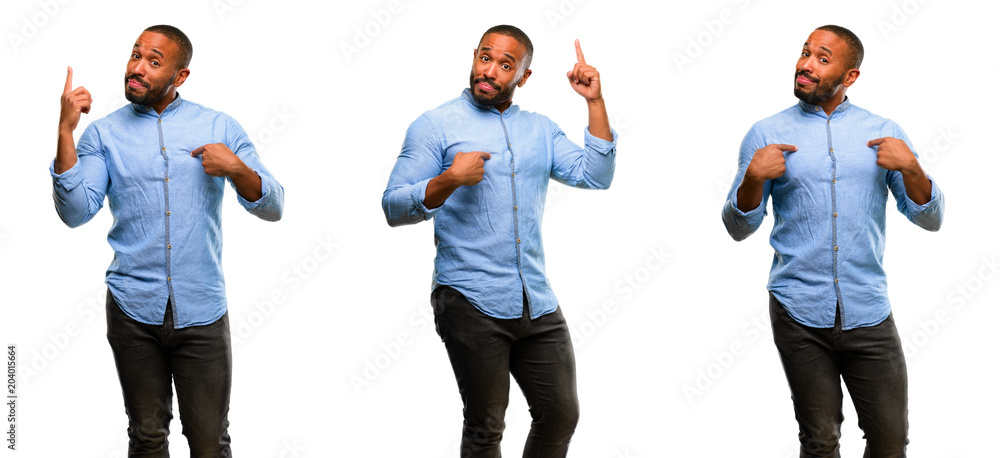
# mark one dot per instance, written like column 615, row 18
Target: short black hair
column 175, row 35
column 855, row 49
column 517, row 34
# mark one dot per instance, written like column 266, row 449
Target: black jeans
column 485, row 351
column 200, row 360
column 870, row 360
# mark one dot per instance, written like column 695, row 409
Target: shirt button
column 836, row 248
column 168, row 279
column 834, row 180
column 518, row 240
column 513, row 174
column 836, row 280
column 166, row 179
column 168, row 212
column 831, row 150
column 834, row 215
column 515, row 208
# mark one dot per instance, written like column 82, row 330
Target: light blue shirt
column 829, row 212
column 488, row 236
column 166, row 232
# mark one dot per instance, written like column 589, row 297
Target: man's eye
column 506, row 66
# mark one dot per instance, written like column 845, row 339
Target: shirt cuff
column 915, row 208
column 741, row 217
column 599, row 144
column 69, row 179
column 418, row 195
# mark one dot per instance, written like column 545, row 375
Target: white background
column 329, row 126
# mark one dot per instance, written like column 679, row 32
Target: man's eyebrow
column 487, row 48
column 828, row 51
column 136, row 46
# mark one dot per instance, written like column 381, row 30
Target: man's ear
column 852, row 76
column 181, row 76
column 524, row 78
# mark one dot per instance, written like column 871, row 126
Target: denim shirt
column 488, row 236
column 166, row 233
column 829, row 212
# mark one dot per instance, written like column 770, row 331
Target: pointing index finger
column 876, row 142
column 69, row 80
column 579, row 53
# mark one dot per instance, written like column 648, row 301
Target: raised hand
column 585, row 79
column 74, row 102
column 467, row 168
column 768, row 162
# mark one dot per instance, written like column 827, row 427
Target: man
column 163, row 163
column 481, row 167
column 828, row 167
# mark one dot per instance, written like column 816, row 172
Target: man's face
column 822, row 67
column 152, row 68
column 496, row 71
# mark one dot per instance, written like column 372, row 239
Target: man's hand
column 467, row 168
column 893, row 154
column 218, row 160
column 768, row 162
column 585, row 79
column 74, row 102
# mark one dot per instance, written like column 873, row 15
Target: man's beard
column 821, row 93
column 503, row 94
column 153, row 94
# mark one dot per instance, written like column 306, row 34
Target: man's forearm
column 65, row 152
column 918, row 186
column 247, row 184
column 598, row 122
column 749, row 194
column 439, row 189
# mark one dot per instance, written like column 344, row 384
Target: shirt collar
column 816, row 109
column 467, row 95
column 141, row 109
